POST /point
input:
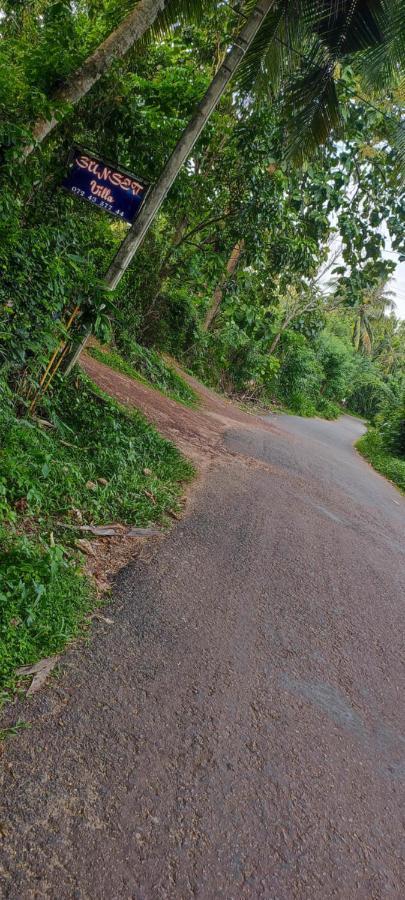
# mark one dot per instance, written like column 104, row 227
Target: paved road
column 239, row 731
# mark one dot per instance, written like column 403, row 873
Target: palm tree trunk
column 135, row 24
column 185, row 145
column 231, row 265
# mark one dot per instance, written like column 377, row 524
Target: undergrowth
column 94, row 462
column 147, row 366
column 372, row 448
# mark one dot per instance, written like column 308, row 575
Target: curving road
column 239, row 732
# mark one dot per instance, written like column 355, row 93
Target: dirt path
column 239, row 730
column 198, row 433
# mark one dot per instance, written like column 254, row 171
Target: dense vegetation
column 264, row 272
column 87, row 461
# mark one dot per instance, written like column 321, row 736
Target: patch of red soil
column 196, row 432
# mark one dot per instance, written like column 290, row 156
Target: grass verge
column 95, row 462
column 372, row 448
column 147, row 366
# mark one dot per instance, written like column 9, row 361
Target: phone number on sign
column 97, row 202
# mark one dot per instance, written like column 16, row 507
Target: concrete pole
column 179, row 155
column 185, row 145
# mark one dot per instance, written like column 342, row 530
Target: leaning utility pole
column 185, row 145
column 180, row 153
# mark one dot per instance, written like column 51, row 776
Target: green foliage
column 327, row 409
column 44, row 495
column 336, row 359
column 391, row 426
column 92, row 438
column 146, row 365
column 300, row 378
column 371, row 445
column 43, row 599
column 368, row 393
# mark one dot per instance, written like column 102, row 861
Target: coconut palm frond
column 313, row 111
column 178, row 12
column 349, row 26
column 185, row 11
column 313, row 36
column 379, row 301
column 383, row 63
column 272, row 55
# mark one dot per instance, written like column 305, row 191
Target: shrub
column 300, row 377
column 371, row 446
column 336, row 359
column 328, row 409
column 391, row 423
column 368, row 395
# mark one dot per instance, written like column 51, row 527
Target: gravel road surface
column 239, row 730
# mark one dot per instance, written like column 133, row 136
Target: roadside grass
column 147, row 366
column 13, row 730
column 372, row 448
column 327, row 410
column 86, row 466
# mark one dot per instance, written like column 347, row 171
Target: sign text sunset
column 113, row 190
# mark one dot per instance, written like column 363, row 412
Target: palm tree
column 373, row 306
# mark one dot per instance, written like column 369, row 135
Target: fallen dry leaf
column 102, row 585
column 44, row 423
column 40, row 671
column 117, row 530
column 86, row 547
column 102, row 530
column 102, row 618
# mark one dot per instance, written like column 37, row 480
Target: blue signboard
column 102, row 184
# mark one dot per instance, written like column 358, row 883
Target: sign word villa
column 117, row 192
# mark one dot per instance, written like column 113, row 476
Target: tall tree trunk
column 179, row 236
column 219, row 290
column 275, row 342
column 135, row 24
column 180, row 153
column 165, row 269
